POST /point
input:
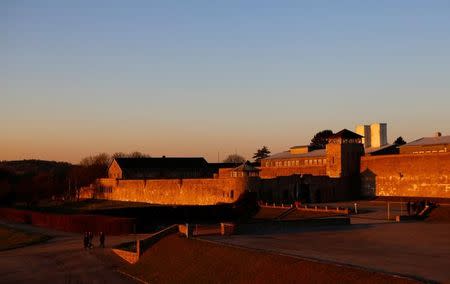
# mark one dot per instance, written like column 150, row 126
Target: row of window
column 430, row 151
column 241, row 174
column 296, row 163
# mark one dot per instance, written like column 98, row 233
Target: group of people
column 89, row 237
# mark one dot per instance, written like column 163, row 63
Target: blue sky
column 194, row 78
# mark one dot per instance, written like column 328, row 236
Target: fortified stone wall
column 424, row 175
column 172, row 191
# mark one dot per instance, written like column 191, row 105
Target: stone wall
column 171, row 191
column 424, row 175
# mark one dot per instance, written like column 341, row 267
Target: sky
column 212, row 78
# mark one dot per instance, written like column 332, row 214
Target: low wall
column 71, row 223
column 195, row 230
column 412, row 175
column 340, row 210
column 148, row 242
column 142, row 245
column 128, row 256
column 171, row 191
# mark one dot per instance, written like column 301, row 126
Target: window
column 232, row 194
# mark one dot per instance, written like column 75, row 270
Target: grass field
column 11, row 238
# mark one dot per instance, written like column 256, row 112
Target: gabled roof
column 246, row 167
column 289, row 155
column 217, row 166
column 425, row 141
column 374, row 150
column 345, row 133
column 164, row 162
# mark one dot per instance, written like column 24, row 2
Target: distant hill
column 32, row 167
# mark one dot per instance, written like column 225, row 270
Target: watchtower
column 344, row 150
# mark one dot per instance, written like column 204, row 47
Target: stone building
column 374, row 138
column 374, row 135
column 344, row 151
column 158, row 168
column 302, row 174
column 426, row 145
column 339, row 159
column 344, row 170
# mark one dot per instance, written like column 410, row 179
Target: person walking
column 86, row 240
column 91, row 237
column 102, row 240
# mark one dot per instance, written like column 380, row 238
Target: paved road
column 60, row 260
column 414, row 248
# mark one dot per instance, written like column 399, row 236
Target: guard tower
column 344, row 150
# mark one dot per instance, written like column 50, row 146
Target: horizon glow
column 209, row 78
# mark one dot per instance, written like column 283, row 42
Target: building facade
column 343, row 170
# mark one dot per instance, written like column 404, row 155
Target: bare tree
column 102, row 159
column 118, row 155
column 234, row 158
column 137, row 154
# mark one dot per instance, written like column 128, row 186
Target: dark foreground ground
column 11, row 238
column 61, row 259
column 371, row 250
column 172, row 260
column 179, row 260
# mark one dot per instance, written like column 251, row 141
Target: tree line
column 29, row 181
